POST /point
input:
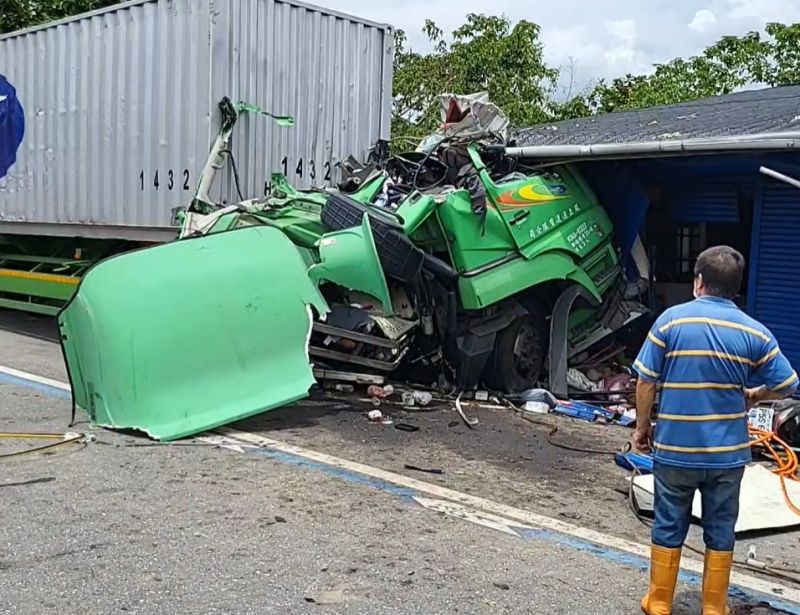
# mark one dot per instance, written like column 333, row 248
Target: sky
column 598, row 38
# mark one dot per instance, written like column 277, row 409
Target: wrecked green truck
column 454, row 267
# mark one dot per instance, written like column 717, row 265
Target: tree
column 729, row 64
column 485, row 54
column 19, row 14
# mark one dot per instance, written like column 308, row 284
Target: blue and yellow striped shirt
column 703, row 354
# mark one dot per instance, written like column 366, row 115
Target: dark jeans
column 675, row 487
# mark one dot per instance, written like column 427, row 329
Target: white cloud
column 560, row 44
column 636, row 35
column 764, row 10
column 622, row 53
column 702, row 20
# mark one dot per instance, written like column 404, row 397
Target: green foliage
column 784, row 68
column 485, row 54
column 19, row 14
column 729, row 64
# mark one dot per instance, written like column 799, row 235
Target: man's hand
column 759, row 394
column 753, row 396
column 642, row 437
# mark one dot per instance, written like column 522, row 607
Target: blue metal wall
column 775, row 265
column 712, row 200
column 708, row 189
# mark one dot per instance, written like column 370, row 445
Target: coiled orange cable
column 785, row 459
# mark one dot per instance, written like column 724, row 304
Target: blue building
column 684, row 177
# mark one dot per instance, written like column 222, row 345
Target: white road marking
column 493, row 522
column 56, row 384
column 497, row 509
column 763, row 586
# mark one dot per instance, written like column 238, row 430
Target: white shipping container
column 120, row 107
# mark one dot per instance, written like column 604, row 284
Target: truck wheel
column 518, row 357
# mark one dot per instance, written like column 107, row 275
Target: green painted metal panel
column 349, row 258
column 37, row 285
column 183, row 337
column 29, row 306
column 496, row 284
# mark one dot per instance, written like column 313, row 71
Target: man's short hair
column 722, row 268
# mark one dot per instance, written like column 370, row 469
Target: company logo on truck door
column 530, row 194
column 12, row 125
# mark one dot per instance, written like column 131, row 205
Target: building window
column 690, row 244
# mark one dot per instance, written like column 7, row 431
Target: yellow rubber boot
column 664, row 566
column 716, row 577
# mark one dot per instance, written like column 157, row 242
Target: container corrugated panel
column 705, row 201
column 775, row 275
column 121, row 106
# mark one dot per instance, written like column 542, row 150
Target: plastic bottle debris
column 423, row 398
column 375, row 415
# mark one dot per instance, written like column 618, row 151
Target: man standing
column 703, row 354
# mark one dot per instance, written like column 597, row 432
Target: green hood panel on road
column 183, row 337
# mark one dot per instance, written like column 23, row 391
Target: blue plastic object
column 635, row 461
column 583, row 411
column 12, row 125
column 626, row 421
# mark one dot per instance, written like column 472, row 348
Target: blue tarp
column 625, row 200
column 12, row 125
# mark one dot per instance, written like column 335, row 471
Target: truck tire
column 519, row 353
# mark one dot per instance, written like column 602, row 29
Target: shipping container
column 121, row 106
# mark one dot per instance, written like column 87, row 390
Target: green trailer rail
column 38, row 284
column 40, row 275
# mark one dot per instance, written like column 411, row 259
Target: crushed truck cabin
column 443, row 266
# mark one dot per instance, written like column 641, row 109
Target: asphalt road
column 121, row 524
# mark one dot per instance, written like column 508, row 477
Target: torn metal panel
column 332, row 374
column 187, row 336
column 386, row 366
column 392, row 327
column 339, row 332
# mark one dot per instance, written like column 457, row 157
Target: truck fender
column 559, row 337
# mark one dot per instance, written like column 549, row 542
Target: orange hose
column 786, row 460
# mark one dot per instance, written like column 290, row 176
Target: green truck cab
column 452, row 284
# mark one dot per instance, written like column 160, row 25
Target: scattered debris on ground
column 409, row 466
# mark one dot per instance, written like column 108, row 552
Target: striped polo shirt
column 703, row 354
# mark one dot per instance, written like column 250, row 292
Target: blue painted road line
column 36, row 386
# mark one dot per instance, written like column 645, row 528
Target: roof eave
column 779, row 141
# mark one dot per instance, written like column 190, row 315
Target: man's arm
column 774, row 369
column 648, row 365
column 645, row 398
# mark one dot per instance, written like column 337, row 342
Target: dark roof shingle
column 751, row 112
